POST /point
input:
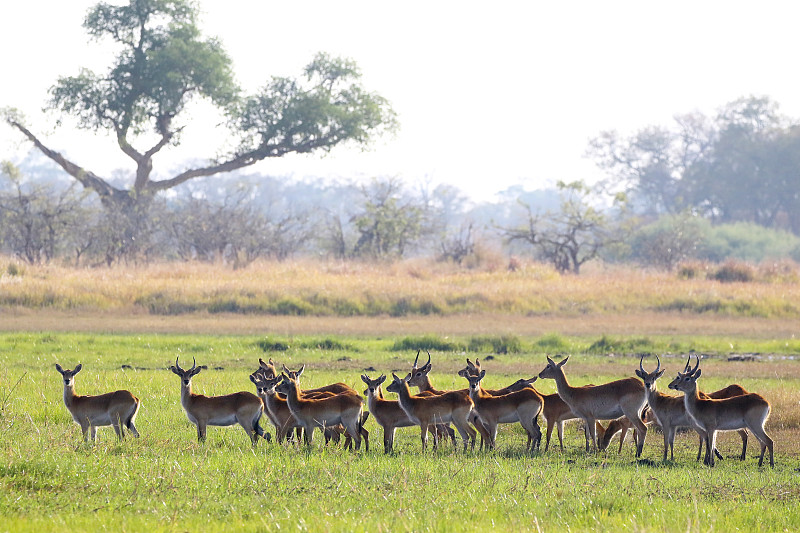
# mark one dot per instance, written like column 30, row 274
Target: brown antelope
column 310, row 413
column 117, row 409
column 452, row 406
column 670, row 412
column 267, row 369
column 419, row 377
column 556, row 411
column 746, row 411
column 332, row 432
column 388, row 413
column 474, row 369
column 277, row 410
column 243, row 408
column 601, row 402
column 522, row 406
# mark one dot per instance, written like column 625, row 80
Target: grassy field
column 166, row 481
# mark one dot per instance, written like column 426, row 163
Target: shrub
column 426, row 342
column 327, row 344
column 732, row 272
column 268, row 345
column 499, row 345
column 551, row 343
column 693, row 271
column 606, row 345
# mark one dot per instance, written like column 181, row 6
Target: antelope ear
column 77, row 369
column 300, row 372
column 697, row 374
column 562, row 363
column 481, row 375
column 364, row 379
column 534, row 378
column 175, row 371
column 639, row 373
column 253, row 379
column 60, row 370
column 660, row 373
column 381, row 379
column 550, row 361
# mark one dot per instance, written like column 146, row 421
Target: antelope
column 267, row 369
column 556, row 411
column 711, row 415
column 342, row 408
column 606, row 434
column 388, row 413
column 451, row 406
column 117, row 409
column 604, row 402
column 419, row 377
column 522, row 406
column 333, row 388
column 474, row 369
column 243, row 408
column 670, row 412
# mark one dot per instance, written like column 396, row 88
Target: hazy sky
column 488, row 95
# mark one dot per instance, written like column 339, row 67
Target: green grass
column 166, row 481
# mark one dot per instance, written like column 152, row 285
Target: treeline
column 706, row 188
column 238, row 219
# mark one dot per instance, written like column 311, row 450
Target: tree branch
column 85, row 177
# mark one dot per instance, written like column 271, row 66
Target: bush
column 426, row 342
column 552, row 343
column 268, row 345
column 499, row 345
column 606, row 345
column 327, row 344
column 732, row 272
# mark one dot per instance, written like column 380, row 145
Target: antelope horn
column 177, row 365
column 659, row 364
column 686, row 368
column 194, row 364
column 416, row 359
column 695, row 366
column 640, row 364
column 429, row 358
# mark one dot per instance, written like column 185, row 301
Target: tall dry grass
column 320, row 288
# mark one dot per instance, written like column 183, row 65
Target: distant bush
column 269, row 345
column 426, row 342
column 606, row 344
column 327, row 344
column 496, row 344
column 747, row 241
column 551, row 343
column 693, row 271
column 732, row 272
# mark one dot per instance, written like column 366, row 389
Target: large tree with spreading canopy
column 164, row 63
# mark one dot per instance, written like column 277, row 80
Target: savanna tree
column 164, row 64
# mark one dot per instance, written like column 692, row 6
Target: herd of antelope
column 337, row 409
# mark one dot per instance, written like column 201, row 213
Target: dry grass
column 304, row 288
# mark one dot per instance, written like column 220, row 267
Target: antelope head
column 474, row 381
column 186, row 375
column 267, row 369
column 472, row 369
column 686, row 381
column 372, row 384
column 294, row 374
column 552, row 369
column 69, row 375
column 522, row 384
column 397, row 384
column 650, row 378
column 418, row 374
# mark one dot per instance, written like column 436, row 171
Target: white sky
column 488, row 94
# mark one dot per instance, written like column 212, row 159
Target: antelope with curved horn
column 749, row 411
column 555, row 410
column 522, row 406
column 243, row 408
column 474, row 369
column 278, row 412
column 419, row 377
column 451, row 406
column 342, row 408
column 601, row 402
column 117, row 409
column 388, row 413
